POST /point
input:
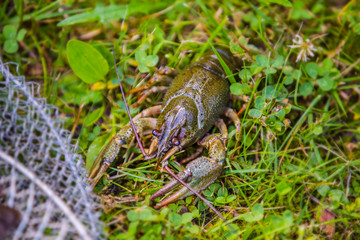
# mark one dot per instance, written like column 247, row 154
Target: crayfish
column 192, row 105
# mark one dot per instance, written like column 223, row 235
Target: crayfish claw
column 198, row 174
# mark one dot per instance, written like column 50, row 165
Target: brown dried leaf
column 330, row 227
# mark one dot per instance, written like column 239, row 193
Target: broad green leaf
column 94, row 150
column 269, row 92
column 312, row 69
column 299, row 11
column 140, row 56
column 280, row 114
column 283, row 188
column 326, row 83
column 107, row 55
column 260, row 102
column 296, row 74
column 11, row 46
column 194, row 229
column 91, row 118
column 306, row 89
column 323, row 190
column 146, row 215
column 9, row 32
column 86, row 62
column 255, row 113
column 282, row 94
column 288, row 80
column 327, row 65
column 262, row 61
column 318, row 130
column 258, row 212
column 151, row 60
column 132, row 215
column 278, row 62
column 143, row 68
column 175, row 219
column 245, row 75
column 240, row 88
column 270, row 71
column 186, row 218
column 336, row 195
column 21, row 34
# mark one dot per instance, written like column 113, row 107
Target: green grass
column 294, row 173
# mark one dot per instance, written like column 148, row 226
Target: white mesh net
column 40, row 175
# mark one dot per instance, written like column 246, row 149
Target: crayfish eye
column 175, row 141
column 156, row 133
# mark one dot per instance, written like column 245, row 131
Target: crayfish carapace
column 192, row 105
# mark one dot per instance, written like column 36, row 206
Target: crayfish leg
column 108, row 154
column 199, row 173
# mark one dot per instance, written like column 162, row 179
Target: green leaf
column 288, row 80
column 306, row 89
column 326, row 83
column 260, row 102
column 312, row 69
column 143, row 68
column 223, row 192
column 283, row 188
column 269, row 92
column 186, row 218
column 299, row 11
column 9, row 32
column 258, row 212
column 327, row 65
column 270, row 71
column 245, row 75
column 278, row 62
column 21, row 34
column 151, row 60
column 318, row 130
column 240, row 88
column 91, row 118
column 194, row 229
column 78, row 18
column 175, row 219
column 296, row 74
column 11, row 46
column 262, row 61
column 323, row 190
column 100, row 13
column 280, row 114
column 94, row 150
column 255, row 113
column 282, row 94
column 336, row 195
column 285, row 3
column 86, row 62
column 146, row 215
column 140, row 56
column 256, row 215
column 132, row 215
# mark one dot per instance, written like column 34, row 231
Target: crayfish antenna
column 124, row 98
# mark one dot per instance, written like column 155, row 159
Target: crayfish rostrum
column 192, row 105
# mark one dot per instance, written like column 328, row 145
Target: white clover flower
column 306, row 48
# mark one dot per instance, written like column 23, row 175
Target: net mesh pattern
column 40, row 175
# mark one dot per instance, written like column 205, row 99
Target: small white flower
column 306, row 48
